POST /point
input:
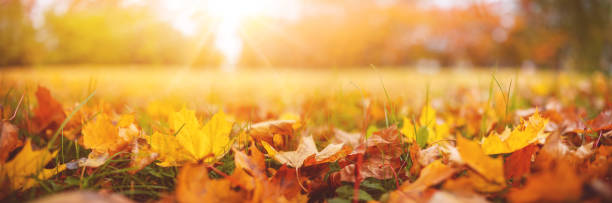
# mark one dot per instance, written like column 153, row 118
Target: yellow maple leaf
column 435, row 131
column 101, row 135
column 105, row 138
column 171, row 153
column 193, row 142
column 216, row 138
column 28, row 164
column 428, row 116
column 509, row 141
column 473, row 155
column 408, row 130
column 441, row 132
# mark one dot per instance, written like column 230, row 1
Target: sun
column 228, row 17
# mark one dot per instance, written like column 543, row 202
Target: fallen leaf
column 519, row 163
column 192, row 142
column 526, row 133
column 255, row 163
column 170, row 151
column 351, row 139
column 194, row 185
column 49, row 113
column 603, row 121
column 473, row 155
column 102, row 135
column 559, row 185
column 381, row 156
column 306, row 149
column 427, row 131
column 27, row 163
column 409, row 130
column 268, row 130
column 472, row 182
column 428, row 116
column 211, row 139
column 142, row 155
column 432, row 174
column 416, row 167
column 94, row 159
column 9, row 140
column 285, row 183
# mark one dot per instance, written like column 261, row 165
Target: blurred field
column 195, row 86
column 334, row 96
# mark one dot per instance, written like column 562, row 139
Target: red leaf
column 519, row 162
column 49, row 113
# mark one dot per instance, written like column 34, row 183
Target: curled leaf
column 306, row 149
column 9, row 140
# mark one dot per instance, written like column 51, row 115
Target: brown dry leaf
column 603, row 121
column 432, row 174
column 519, row 163
column 85, row 196
column 414, row 155
column 254, row 164
column 381, row 156
column 554, row 151
column 375, row 165
column 142, row 155
column 569, row 119
column 9, row 140
column 194, row 185
column 566, row 186
column 306, row 149
column 283, row 186
column 272, row 132
column 49, row 113
column 473, row 155
column 602, row 162
column 329, row 154
column 251, row 176
column 351, row 139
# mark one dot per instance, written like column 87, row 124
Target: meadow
column 388, row 134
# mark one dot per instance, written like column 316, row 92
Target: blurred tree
column 586, row 25
column 107, row 33
column 17, row 37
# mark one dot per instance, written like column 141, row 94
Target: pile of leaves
column 473, row 152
